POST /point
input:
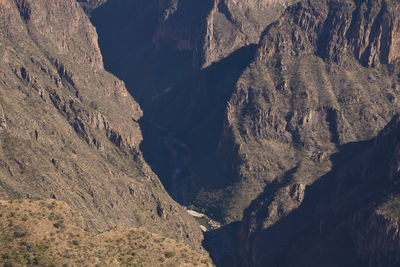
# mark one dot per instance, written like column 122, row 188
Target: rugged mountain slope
column 263, row 120
column 210, row 30
column 90, row 5
column 160, row 49
column 234, row 24
column 354, row 222
column 50, row 233
column 323, row 76
column 69, row 129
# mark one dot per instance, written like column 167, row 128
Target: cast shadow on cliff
column 316, row 233
column 222, row 243
column 193, row 113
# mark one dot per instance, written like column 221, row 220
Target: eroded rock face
column 324, row 74
column 69, row 129
column 349, row 217
column 301, row 98
column 376, row 234
column 235, row 24
column 214, row 29
column 90, row 5
column 309, row 88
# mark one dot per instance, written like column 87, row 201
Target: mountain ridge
column 69, row 128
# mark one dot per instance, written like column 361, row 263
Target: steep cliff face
column 309, row 92
column 211, row 30
column 349, row 217
column 234, row 24
column 69, row 129
column 376, row 233
column 299, row 99
column 90, row 5
column 324, row 74
column 181, row 60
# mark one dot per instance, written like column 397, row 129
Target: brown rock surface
column 349, row 217
column 263, row 125
column 297, row 101
column 69, row 129
column 324, row 74
column 235, row 24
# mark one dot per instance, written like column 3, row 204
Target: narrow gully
column 175, row 176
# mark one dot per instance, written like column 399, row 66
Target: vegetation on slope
column 50, row 233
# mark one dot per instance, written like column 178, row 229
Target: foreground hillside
column 68, row 128
column 50, row 233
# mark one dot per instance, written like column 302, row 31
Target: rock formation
column 298, row 101
column 69, row 129
column 279, row 104
column 349, row 217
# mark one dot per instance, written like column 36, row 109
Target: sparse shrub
column 169, row 254
column 25, row 218
column 94, row 105
column 8, row 264
column 75, row 242
column 54, row 217
column 19, row 234
column 42, row 247
column 37, row 260
column 59, row 224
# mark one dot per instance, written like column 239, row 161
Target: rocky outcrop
column 69, row 129
column 299, row 99
column 262, row 120
column 90, row 5
column 234, row 24
column 349, row 217
column 367, row 31
column 319, row 78
column 376, row 234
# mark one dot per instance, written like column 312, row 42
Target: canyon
column 275, row 122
